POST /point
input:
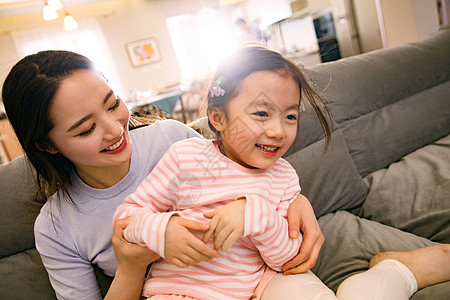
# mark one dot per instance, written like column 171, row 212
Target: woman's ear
column 217, row 119
column 46, row 148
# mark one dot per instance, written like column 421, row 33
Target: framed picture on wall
column 143, row 52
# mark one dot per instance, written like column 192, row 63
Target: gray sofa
column 384, row 183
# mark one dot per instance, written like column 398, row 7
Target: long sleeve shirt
column 193, row 177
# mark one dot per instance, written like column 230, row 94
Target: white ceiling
column 9, row 8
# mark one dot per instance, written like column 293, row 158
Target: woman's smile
column 116, row 147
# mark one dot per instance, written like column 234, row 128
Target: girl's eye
column 116, row 104
column 84, row 133
column 291, row 117
column 261, row 114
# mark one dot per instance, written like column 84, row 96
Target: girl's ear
column 217, row 119
column 46, row 148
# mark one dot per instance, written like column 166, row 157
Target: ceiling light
column 49, row 13
column 70, row 23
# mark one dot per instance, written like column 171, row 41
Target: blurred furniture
column 9, row 145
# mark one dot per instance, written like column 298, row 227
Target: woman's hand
column 129, row 255
column 301, row 217
column 226, row 225
column 132, row 262
column 182, row 247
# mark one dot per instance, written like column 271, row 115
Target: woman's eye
column 261, row 114
column 116, row 104
column 84, row 133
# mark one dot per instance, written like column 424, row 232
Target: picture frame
column 143, row 52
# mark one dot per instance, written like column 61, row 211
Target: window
column 201, row 41
column 87, row 40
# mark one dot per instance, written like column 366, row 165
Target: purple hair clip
column 216, row 90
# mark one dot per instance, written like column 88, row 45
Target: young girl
column 253, row 106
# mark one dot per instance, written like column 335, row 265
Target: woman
column 74, row 130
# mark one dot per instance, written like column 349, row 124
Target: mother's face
column 90, row 122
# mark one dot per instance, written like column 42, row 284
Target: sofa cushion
column 329, row 180
column 25, row 270
column 19, row 207
column 414, row 193
column 383, row 136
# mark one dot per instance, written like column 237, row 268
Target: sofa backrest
column 385, row 104
column 21, row 267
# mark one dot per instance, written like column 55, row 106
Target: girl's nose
column 275, row 130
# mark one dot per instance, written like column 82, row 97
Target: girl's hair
column 27, row 94
column 245, row 61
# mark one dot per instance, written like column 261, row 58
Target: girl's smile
column 268, row 150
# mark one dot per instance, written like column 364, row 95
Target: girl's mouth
column 118, row 146
column 267, row 148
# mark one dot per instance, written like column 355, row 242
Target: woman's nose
column 113, row 129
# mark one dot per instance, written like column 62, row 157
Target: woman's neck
column 102, row 177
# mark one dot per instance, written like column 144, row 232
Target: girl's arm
column 258, row 219
column 132, row 259
column 152, row 224
column 268, row 230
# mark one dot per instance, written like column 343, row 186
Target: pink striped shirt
column 194, row 177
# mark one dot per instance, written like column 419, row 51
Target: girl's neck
column 102, row 177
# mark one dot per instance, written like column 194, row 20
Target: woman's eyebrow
column 84, row 119
column 81, row 121
column 107, row 96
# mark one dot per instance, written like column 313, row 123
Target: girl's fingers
column 212, row 227
column 220, row 236
column 232, row 238
column 193, row 225
column 199, row 246
column 210, row 214
column 178, row 263
column 189, row 257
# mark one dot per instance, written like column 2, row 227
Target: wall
column 122, row 21
column 404, row 21
column 367, row 25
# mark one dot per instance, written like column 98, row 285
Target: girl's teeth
column 268, row 149
column 116, row 145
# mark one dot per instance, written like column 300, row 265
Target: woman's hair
column 248, row 60
column 27, row 94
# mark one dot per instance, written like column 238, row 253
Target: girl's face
column 90, row 123
column 260, row 123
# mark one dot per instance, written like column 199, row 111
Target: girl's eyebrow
column 293, row 106
column 84, row 119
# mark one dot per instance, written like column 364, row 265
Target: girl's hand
column 130, row 256
column 182, row 247
column 301, row 217
column 226, row 225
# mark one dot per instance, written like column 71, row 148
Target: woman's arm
column 301, row 217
